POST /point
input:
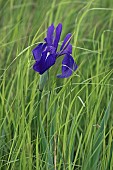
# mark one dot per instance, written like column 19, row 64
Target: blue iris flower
column 45, row 54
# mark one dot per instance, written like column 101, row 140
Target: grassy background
column 74, row 116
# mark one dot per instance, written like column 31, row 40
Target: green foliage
column 69, row 124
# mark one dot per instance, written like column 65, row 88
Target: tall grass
column 74, row 128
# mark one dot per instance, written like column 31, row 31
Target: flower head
column 46, row 54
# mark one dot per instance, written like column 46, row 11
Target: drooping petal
column 66, row 42
column 69, row 49
column 68, row 66
column 50, row 32
column 37, row 52
column 58, row 34
column 47, row 60
column 36, row 67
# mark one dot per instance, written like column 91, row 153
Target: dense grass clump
column 70, row 124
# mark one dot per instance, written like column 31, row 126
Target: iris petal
column 47, row 60
column 66, row 42
column 68, row 50
column 68, row 66
column 58, row 34
column 50, row 32
column 37, row 52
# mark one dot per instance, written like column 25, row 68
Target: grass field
column 69, row 126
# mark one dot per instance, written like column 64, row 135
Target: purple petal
column 68, row 66
column 68, row 50
column 37, row 52
column 51, row 49
column 58, row 34
column 66, row 42
column 44, row 47
column 47, row 60
column 50, row 32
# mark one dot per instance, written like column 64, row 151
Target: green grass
column 69, row 126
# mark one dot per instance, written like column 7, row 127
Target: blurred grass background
column 76, row 114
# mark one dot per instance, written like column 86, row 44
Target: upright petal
column 66, row 42
column 58, row 34
column 47, row 60
column 68, row 66
column 50, row 32
column 68, row 50
column 37, row 52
